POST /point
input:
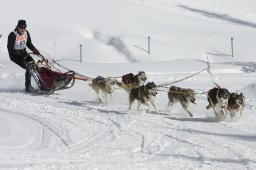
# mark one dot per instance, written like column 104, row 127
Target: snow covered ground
column 70, row 129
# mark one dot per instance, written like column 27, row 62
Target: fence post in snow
column 81, row 58
column 232, row 52
column 148, row 44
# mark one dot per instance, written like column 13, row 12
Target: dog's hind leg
column 210, row 103
column 130, row 106
column 171, row 102
column 99, row 92
column 104, row 95
column 131, row 100
column 213, row 106
column 170, row 105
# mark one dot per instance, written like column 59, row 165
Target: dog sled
column 49, row 78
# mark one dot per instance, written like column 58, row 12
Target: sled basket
column 49, row 80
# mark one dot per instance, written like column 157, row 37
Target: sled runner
column 48, row 78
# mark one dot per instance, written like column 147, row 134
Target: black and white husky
column 145, row 94
column 218, row 98
column 183, row 96
column 236, row 104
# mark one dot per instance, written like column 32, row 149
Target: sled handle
column 40, row 55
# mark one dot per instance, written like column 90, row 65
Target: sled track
column 42, row 123
column 85, row 145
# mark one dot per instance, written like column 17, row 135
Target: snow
column 70, row 129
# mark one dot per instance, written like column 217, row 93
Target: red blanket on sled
column 47, row 78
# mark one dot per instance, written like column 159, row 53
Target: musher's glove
column 36, row 52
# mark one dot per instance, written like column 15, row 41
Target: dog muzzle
column 154, row 94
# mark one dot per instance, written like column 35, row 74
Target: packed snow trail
column 71, row 129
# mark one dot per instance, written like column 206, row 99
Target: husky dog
column 236, row 104
column 130, row 81
column 103, row 86
column 42, row 63
column 145, row 95
column 183, row 96
column 218, row 97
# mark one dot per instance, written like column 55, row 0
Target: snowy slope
column 70, row 129
column 178, row 28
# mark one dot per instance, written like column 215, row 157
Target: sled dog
column 218, row 97
column 183, row 96
column 41, row 63
column 130, row 80
column 144, row 94
column 236, row 104
column 103, row 86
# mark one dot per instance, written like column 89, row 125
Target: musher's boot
column 28, row 86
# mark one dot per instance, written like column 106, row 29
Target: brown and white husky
column 130, row 80
column 103, row 87
column 236, row 104
column 183, row 96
